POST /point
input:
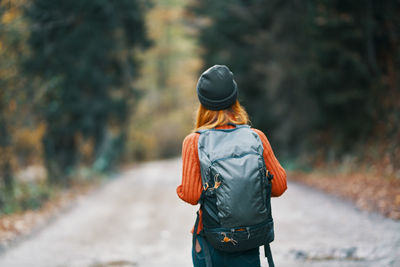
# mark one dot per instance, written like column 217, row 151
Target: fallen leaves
column 15, row 225
column 368, row 191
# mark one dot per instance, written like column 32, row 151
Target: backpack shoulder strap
column 203, row 245
column 202, row 131
column 239, row 125
column 268, row 255
column 236, row 126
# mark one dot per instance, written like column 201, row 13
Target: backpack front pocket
column 240, row 190
column 240, row 239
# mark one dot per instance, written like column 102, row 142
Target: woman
column 220, row 109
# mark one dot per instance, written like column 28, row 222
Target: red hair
column 207, row 119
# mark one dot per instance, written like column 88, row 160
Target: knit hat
column 216, row 88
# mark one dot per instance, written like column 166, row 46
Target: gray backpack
column 235, row 201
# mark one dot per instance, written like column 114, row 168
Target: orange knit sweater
column 191, row 187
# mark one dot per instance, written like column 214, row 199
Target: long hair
column 207, row 119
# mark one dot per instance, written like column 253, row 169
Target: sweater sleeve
column 279, row 185
column 190, row 188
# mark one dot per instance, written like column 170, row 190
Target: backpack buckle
column 269, row 175
column 217, row 183
column 205, row 186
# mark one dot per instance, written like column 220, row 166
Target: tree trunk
column 5, row 153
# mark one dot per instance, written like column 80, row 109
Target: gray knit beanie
column 216, row 88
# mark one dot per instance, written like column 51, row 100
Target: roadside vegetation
column 89, row 86
column 321, row 79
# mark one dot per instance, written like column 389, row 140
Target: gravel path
column 137, row 220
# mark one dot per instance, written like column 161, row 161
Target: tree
column 83, row 60
column 13, row 49
column 262, row 44
column 319, row 73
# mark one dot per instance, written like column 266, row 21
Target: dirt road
column 137, row 220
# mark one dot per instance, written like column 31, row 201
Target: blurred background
column 88, row 87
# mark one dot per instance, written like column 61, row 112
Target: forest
column 87, row 87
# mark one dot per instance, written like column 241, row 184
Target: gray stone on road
column 137, row 220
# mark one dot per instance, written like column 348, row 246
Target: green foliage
column 231, row 39
column 164, row 114
column 26, row 196
column 12, row 51
column 82, row 54
column 311, row 74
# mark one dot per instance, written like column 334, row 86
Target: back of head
column 217, row 92
column 216, row 88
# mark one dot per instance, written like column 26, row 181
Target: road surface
column 136, row 219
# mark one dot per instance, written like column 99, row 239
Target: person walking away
column 231, row 171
